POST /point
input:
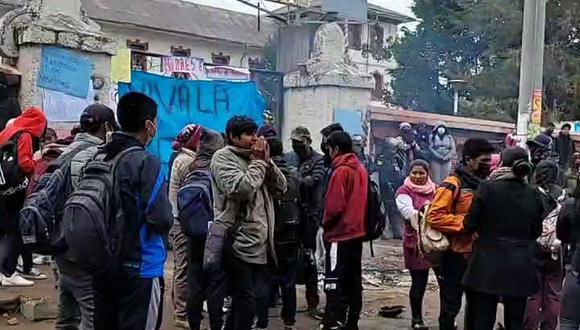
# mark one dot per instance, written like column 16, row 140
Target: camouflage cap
column 301, row 134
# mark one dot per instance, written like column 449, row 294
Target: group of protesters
column 248, row 221
column 512, row 227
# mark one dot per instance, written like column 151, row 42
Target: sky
column 402, row 6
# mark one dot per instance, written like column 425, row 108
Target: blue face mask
column 441, row 131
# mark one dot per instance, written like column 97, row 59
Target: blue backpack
column 195, row 205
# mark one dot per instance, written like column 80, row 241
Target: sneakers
column 14, row 281
column 40, row 260
column 417, row 324
column 289, row 327
column 315, row 313
column 33, row 274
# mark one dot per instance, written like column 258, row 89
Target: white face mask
column 441, row 130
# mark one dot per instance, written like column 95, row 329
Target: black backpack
column 40, row 218
column 376, row 221
column 93, row 216
column 287, row 212
column 12, row 179
column 195, row 205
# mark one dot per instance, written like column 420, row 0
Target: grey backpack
column 93, row 216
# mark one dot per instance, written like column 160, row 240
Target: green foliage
column 480, row 41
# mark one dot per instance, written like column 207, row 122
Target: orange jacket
column 452, row 202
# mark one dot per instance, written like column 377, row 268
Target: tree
column 488, row 55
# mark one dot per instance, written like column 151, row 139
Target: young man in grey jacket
column 75, row 290
column 244, row 179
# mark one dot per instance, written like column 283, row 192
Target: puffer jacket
column 242, row 190
column 90, row 143
column 442, row 147
column 452, row 202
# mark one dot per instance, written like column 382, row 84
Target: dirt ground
column 385, row 282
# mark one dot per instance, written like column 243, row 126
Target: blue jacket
column 146, row 208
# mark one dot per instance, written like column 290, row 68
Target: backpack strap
column 456, row 193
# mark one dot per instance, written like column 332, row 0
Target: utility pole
column 532, row 64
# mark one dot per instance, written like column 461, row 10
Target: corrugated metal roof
column 181, row 17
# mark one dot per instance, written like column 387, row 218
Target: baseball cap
column 300, row 134
column 96, row 114
column 541, row 140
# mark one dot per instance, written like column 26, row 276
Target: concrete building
column 174, row 27
column 367, row 42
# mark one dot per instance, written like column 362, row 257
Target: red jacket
column 32, row 124
column 346, row 200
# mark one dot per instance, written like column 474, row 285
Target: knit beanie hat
column 188, row 138
column 510, row 155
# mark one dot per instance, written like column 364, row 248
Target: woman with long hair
column 416, row 191
column 507, row 215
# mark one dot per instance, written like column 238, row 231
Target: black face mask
column 300, row 150
column 483, row 170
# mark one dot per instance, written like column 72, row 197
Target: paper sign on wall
column 61, row 107
column 121, row 66
column 64, row 71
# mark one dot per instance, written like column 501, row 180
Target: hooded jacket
column 442, row 147
column 31, row 125
column 88, row 143
column 242, row 192
column 346, row 200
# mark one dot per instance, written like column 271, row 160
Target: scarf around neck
column 426, row 189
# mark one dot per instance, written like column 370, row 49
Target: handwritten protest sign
column 192, row 66
column 64, row 71
column 181, row 102
column 61, row 107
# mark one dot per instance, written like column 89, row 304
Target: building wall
column 390, row 31
column 313, row 107
column 161, row 42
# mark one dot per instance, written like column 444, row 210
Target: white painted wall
column 390, row 30
column 161, row 42
column 313, row 107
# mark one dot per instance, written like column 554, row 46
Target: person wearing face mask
column 451, row 203
column 344, row 230
column 130, row 295
column 309, row 166
column 564, row 147
column 507, row 215
column 391, row 164
column 442, row 147
column 408, row 136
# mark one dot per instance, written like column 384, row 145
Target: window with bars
column 180, row 51
column 355, row 36
column 220, row 59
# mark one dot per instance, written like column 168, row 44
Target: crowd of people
column 248, row 221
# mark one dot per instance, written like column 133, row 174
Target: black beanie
column 510, row 155
column 476, row 147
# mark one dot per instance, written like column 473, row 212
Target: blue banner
column 182, row 102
